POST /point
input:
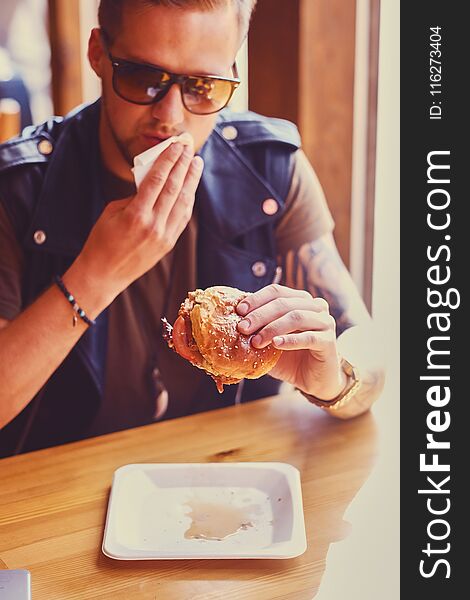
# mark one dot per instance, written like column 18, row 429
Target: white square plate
column 205, row 510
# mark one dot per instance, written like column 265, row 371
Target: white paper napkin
column 144, row 161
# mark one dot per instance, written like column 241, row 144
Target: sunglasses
column 140, row 83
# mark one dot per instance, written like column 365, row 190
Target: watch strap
column 351, row 388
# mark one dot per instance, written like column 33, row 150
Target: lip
column 155, row 139
column 149, row 141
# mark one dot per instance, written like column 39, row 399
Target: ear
column 96, row 52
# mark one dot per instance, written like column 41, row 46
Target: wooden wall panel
column 312, row 42
column 273, row 65
column 327, row 46
column 64, row 30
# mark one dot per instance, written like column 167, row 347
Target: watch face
column 346, row 366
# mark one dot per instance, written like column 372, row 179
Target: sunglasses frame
column 174, row 78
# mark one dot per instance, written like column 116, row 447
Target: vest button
column 39, row 236
column 259, row 269
column 229, row 132
column 270, row 206
column 45, row 147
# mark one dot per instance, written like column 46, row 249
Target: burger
column 206, row 333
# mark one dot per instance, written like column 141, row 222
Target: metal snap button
column 45, row 147
column 270, row 206
column 259, row 269
column 39, row 236
column 229, row 132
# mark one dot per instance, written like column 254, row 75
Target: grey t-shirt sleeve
column 307, row 216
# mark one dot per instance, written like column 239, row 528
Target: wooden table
column 53, row 503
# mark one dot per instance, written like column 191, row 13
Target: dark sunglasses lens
column 204, row 95
column 139, row 84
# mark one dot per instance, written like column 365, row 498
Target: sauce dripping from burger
column 180, row 338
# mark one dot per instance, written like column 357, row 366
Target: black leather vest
column 50, row 189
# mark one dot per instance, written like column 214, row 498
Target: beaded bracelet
column 76, row 309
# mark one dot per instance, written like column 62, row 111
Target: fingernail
column 242, row 308
column 198, row 163
column 278, row 340
column 245, row 324
column 257, row 340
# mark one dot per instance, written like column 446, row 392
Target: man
column 249, row 207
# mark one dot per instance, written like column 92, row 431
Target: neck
column 112, row 157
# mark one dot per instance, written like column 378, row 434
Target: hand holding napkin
column 144, row 161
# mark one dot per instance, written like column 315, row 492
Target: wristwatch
column 352, row 386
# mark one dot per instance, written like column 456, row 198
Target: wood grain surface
column 53, row 503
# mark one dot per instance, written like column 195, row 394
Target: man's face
column 182, row 41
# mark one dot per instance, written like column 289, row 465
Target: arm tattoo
column 317, row 268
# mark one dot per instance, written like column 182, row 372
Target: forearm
column 324, row 274
column 360, row 347
column 34, row 344
column 130, row 237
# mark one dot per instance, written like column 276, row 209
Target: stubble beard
column 122, row 146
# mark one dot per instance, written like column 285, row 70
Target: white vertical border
column 366, row 564
column 386, row 272
column 386, row 284
column 359, row 154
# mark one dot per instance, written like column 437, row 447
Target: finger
column 305, row 340
column 294, row 321
column 156, row 178
column 273, row 310
column 267, row 294
column 183, row 207
column 173, row 186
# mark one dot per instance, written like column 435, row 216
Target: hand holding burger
column 278, row 330
column 206, row 333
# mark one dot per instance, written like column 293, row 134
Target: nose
column 170, row 110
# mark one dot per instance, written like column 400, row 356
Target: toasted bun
column 214, row 342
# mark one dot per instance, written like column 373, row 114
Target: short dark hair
column 110, row 11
